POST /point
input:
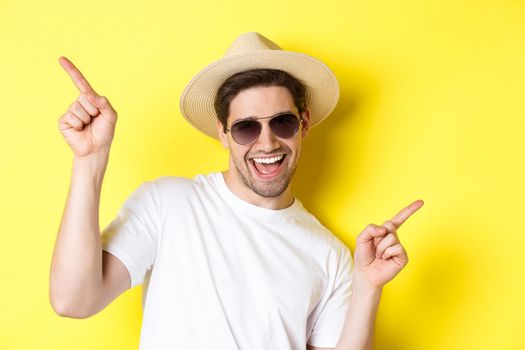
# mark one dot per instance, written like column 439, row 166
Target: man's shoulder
column 334, row 245
column 324, row 235
column 170, row 181
column 170, row 184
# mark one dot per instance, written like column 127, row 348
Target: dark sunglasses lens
column 285, row 126
column 246, row 131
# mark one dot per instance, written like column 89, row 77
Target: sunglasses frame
column 271, row 118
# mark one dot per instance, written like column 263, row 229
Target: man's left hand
column 379, row 255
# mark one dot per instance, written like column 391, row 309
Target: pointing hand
column 379, row 255
column 88, row 125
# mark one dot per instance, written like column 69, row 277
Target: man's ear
column 306, row 123
column 222, row 136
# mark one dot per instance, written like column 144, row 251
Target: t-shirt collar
column 240, row 203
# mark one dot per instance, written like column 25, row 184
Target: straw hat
column 253, row 50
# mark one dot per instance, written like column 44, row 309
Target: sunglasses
column 246, row 131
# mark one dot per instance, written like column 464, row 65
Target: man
column 228, row 260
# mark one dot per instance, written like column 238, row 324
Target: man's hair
column 257, row 77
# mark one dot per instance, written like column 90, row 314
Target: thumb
column 102, row 103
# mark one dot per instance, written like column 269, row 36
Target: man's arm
column 358, row 329
column 379, row 256
column 76, row 266
column 82, row 279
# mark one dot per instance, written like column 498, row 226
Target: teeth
column 269, row 160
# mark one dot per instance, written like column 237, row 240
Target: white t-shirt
column 221, row 273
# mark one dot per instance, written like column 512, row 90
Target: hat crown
column 250, row 51
column 251, row 41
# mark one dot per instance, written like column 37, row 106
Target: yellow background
column 432, row 107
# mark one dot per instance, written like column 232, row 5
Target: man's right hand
column 88, row 125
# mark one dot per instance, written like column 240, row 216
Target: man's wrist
column 92, row 166
column 363, row 289
column 99, row 155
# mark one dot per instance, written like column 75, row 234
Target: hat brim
column 197, row 99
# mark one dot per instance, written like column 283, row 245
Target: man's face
column 250, row 161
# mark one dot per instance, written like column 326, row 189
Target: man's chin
column 269, row 188
column 268, row 192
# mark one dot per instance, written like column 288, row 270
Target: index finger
column 77, row 77
column 404, row 214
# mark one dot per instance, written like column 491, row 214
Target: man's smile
column 267, row 167
column 268, row 160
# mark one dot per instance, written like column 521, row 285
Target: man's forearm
column 76, row 269
column 358, row 330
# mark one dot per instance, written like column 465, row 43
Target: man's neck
column 237, row 186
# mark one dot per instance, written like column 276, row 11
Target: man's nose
column 267, row 141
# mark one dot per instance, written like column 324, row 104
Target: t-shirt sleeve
column 134, row 233
column 329, row 324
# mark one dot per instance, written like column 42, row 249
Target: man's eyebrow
column 255, row 117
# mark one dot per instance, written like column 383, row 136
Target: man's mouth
column 267, row 167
